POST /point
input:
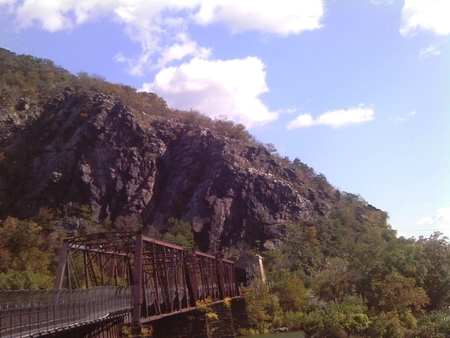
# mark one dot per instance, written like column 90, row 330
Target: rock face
column 92, row 149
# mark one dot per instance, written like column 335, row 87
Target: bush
column 336, row 320
column 434, row 324
column 262, row 307
column 292, row 294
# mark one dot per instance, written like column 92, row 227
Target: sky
column 358, row 90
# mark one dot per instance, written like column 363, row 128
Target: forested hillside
column 80, row 155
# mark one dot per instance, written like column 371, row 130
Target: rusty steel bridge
column 110, row 277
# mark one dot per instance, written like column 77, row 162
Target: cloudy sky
column 359, row 90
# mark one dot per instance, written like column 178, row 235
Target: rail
column 28, row 313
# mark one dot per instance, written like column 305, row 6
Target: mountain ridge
column 143, row 160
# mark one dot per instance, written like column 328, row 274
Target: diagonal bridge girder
column 165, row 278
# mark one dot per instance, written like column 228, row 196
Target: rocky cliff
column 90, row 149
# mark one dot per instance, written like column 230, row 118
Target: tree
column 271, row 149
column 400, row 294
column 336, row 320
column 180, row 233
column 336, row 282
column 28, row 255
column 292, row 294
column 436, row 251
column 262, row 307
column 366, row 258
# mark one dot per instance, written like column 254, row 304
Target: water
column 281, row 335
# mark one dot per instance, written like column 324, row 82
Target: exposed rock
column 96, row 151
column 10, row 122
column 68, row 223
column 23, row 104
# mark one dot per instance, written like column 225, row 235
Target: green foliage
column 434, row 324
column 335, row 282
column 205, row 306
column 292, row 294
column 436, row 250
column 180, row 233
column 400, row 294
column 262, row 306
column 29, row 253
column 227, row 302
column 129, row 223
column 303, row 250
column 25, row 280
column 126, row 331
column 387, row 325
column 336, row 320
column 28, row 76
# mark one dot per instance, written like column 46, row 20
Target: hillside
column 90, row 149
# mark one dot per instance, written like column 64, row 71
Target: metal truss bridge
column 109, row 276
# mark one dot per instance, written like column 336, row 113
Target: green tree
column 180, row 233
column 336, row 320
column 28, row 253
column 400, row 294
column 335, row 282
column 436, row 251
column 292, row 294
column 262, row 306
column 433, row 324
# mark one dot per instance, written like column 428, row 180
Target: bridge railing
column 26, row 313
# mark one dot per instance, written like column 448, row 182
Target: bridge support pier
column 240, row 315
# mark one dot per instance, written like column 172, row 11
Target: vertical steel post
column 62, row 265
column 86, row 270
column 192, row 277
column 156, row 277
column 102, row 268
column 137, row 283
column 220, row 277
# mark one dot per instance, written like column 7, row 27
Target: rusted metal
column 192, row 284
column 137, row 287
column 220, row 277
column 163, row 278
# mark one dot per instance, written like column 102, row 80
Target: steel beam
column 62, row 265
column 137, row 282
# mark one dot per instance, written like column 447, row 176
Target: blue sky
column 358, row 90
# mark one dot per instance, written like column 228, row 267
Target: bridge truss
column 165, row 278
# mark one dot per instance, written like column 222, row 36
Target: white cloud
column 186, row 77
column 157, row 25
column 178, row 51
column 405, row 117
column 432, row 15
column 181, row 48
column 281, row 17
column 215, row 88
column 335, row 118
column 439, row 221
column 429, row 51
